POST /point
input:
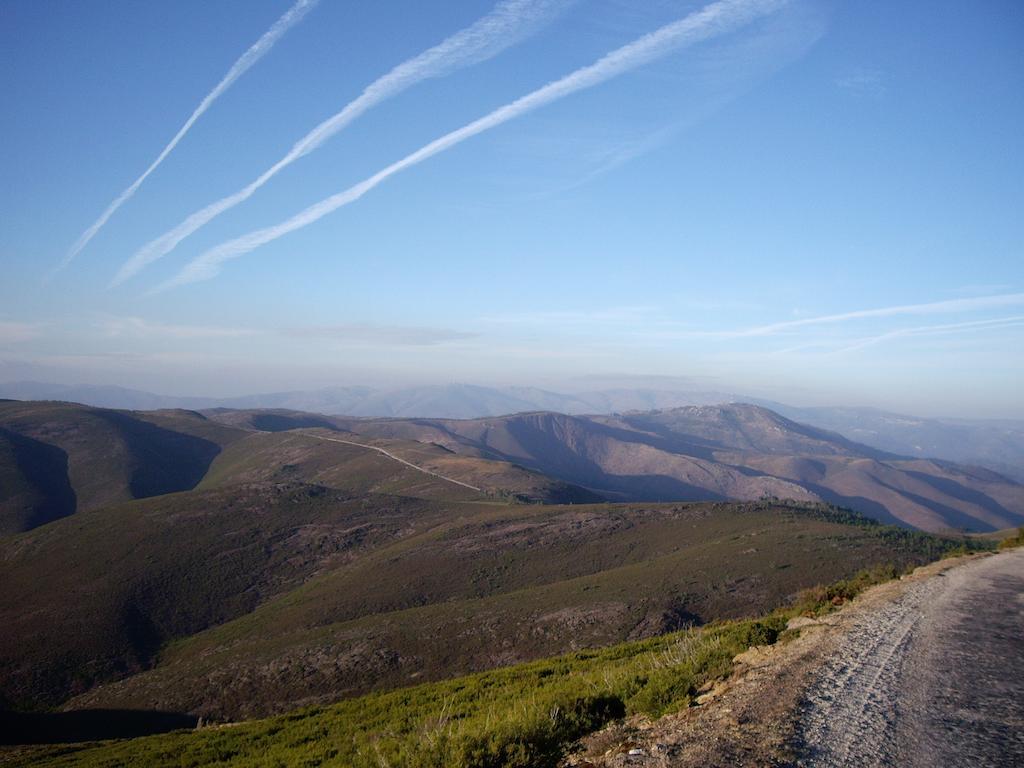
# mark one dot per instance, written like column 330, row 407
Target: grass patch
column 819, row 600
column 1016, row 540
column 519, row 716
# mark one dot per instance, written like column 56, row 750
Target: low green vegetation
column 1016, row 540
column 519, row 716
column 477, row 586
column 58, row 459
column 822, row 599
column 247, row 601
column 135, row 576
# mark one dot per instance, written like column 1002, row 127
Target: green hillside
column 34, row 483
column 248, row 599
column 95, row 596
column 60, row 458
column 735, row 451
column 57, row 459
column 263, row 571
column 523, row 716
column 299, row 448
column 296, row 457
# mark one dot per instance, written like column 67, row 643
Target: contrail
column 928, row 330
column 507, row 24
column 934, row 307
column 713, row 19
column 250, row 57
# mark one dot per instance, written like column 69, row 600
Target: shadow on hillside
column 277, row 422
column 45, row 468
column 862, row 504
column 164, row 461
column 87, row 725
column 963, row 493
column 953, row 518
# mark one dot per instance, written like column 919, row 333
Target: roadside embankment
column 923, row 670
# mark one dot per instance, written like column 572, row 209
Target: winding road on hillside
column 935, row 678
column 400, row 460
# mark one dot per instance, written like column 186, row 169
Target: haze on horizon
column 814, row 202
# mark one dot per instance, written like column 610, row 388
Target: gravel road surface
column 935, row 678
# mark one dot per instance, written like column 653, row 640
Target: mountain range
column 58, row 459
column 996, row 444
column 734, row 451
column 439, row 401
column 235, row 563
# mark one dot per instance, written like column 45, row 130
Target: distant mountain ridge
column 60, row 459
column 994, row 444
column 57, row 459
column 735, row 451
column 233, row 563
column 452, row 401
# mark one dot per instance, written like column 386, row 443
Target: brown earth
column 754, row 717
column 734, row 451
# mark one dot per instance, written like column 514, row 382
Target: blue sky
column 819, row 202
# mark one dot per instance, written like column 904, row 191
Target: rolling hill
column 172, row 523
column 108, row 588
column 60, row 458
column 996, row 444
column 253, row 599
column 735, row 451
column 57, row 459
column 239, row 563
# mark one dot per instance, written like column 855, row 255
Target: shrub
column 822, row 599
column 515, row 717
column 664, row 690
column 1013, row 541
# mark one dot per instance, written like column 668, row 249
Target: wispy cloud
column 829, row 334
column 139, row 328
column 714, row 19
column 561, row 317
column 506, row 25
column 981, row 289
column 863, row 81
column 612, row 154
column 933, row 330
column 931, row 308
column 380, row 335
column 13, row 332
column 560, row 156
column 255, row 52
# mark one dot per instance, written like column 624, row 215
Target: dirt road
column 935, row 678
column 392, row 456
column 924, row 671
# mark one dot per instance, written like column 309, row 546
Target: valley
column 734, row 451
column 511, row 384
column 230, row 565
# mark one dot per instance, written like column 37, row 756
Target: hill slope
column 997, row 444
column 296, row 446
column 59, row 458
column 95, row 596
column 309, row 562
column 715, row 452
column 275, row 596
